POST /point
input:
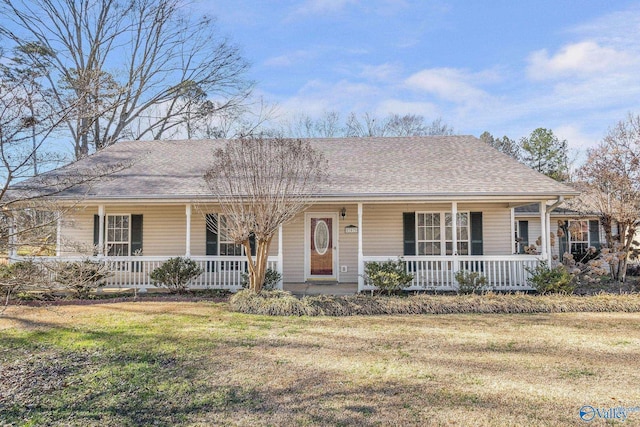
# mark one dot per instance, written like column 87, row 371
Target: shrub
column 271, row 280
column 273, row 303
column 175, row 273
column 19, row 277
column 549, row 280
column 470, row 282
column 81, row 277
column 280, row 303
column 389, row 276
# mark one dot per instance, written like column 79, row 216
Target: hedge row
column 280, row 303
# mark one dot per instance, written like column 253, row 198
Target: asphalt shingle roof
column 358, row 167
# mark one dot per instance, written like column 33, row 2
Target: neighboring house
column 384, row 198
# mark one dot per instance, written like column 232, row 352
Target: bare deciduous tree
column 260, row 184
column 612, row 173
column 117, row 61
column 28, row 214
column 329, row 125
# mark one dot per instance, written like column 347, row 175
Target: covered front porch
column 503, row 273
column 343, row 238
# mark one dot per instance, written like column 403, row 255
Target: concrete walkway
column 310, row 288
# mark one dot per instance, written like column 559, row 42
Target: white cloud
column 397, row 106
column 382, row 72
column 447, row 83
column 581, row 59
column 321, row 7
column 577, row 139
column 289, row 59
column 317, row 97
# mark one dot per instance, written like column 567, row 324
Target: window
column 219, row 241
column 435, row 233
column 521, row 235
column 429, row 234
column 227, row 245
column 462, row 227
column 118, row 239
column 579, row 236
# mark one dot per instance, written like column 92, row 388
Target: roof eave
column 342, row 197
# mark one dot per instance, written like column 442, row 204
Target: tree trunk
column 257, row 266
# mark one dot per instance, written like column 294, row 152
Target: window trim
column 571, row 241
column 107, row 242
column 219, row 241
column 443, row 237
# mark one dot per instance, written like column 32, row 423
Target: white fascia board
column 511, row 200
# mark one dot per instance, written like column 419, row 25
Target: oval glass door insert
column 321, row 237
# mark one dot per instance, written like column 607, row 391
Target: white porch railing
column 437, row 273
column 220, row 272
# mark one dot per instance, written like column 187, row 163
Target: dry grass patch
column 199, row 364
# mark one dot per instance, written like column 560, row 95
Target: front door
column 321, row 246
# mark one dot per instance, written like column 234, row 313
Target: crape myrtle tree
column 130, row 68
column 261, row 183
column 612, row 173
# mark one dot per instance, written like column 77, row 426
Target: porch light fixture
column 343, row 212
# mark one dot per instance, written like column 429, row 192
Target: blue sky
column 503, row 66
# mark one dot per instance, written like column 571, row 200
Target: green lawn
column 176, row 363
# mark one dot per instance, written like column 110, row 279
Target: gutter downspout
column 548, row 225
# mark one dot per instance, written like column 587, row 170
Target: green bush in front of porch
column 389, row 277
column 175, row 274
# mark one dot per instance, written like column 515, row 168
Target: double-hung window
column 227, row 245
column 429, row 233
column 118, row 241
column 435, row 233
column 219, row 240
column 579, row 236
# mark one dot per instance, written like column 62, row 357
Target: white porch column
column 360, row 252
column 454, row 241
column 549, row 252
column 454, row 228
column 513, row 231
column 100, row 230
column 280, row 264
column 58, row 233
column 543, row 229
column 187, row 251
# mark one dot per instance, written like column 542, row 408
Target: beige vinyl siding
column 535, row 230
column 163, row 228
column 293, row 250
column 383, row 234
column 199, row 234
column 496, row 227
column 76, row 230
